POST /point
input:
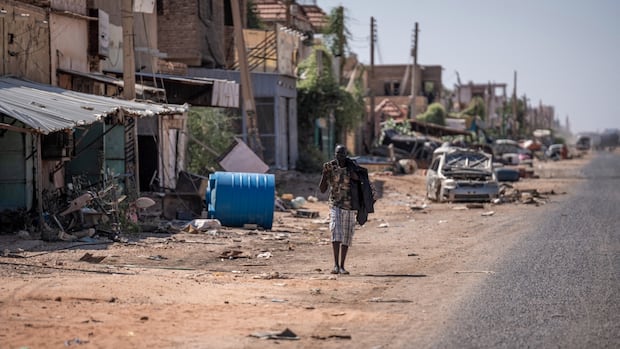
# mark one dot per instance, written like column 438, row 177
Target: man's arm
column 353, row 168
column 323, row 184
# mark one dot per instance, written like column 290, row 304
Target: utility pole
column 371, row 82
column 246, row 84
column 129, row 62
column 287, row 3
column 526, row 122
column 414, row 54
column 340, row 14
column 514, row 106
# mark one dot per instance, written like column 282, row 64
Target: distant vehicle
column 610, row 139
column 583, row 143
column 419, row 148
column 509, row 152
column 554, row 152
column 458, row 174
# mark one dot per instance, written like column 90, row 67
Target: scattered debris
column 418, row 207
column 24, row 234
column 487, row 214
column 475, row 272
column 233, row 254
column 336, row 336
column 284, row 335
column 157, row 258
column 270, row 276
column 90, row 258
column 76, row 340
column 390, row 300
column 201, row 225
column 265, row 255
column 303, row 213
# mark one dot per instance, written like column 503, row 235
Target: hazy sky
column 566, row 52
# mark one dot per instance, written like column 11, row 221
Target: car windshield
column 468, row 160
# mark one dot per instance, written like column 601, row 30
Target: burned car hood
column 468, row 173
column 471, row 165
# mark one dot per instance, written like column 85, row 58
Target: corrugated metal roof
column 140, row 89
column 304, row 17
column 48, row 108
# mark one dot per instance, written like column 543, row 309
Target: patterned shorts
column 342, row 225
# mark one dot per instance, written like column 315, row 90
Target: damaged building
column 53, row 139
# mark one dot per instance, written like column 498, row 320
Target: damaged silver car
column 459, row 174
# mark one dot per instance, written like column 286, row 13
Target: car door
column 433, row 182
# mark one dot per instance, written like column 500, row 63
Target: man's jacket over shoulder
column 362, row 198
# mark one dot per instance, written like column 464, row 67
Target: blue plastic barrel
column 236, row 199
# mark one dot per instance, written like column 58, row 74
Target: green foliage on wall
column 254, row 21
column 319, row 95
column 435, row 114
column 476, row 107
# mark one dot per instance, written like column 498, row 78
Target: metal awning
column 141, row 90
column 197, row 91
column 46, row 108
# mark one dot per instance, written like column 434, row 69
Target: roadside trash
column 232, row 254
column 270, row 276
column 298, row 202
column 157, row 258
column 90, row 258
column 306, row 214
column 201, row 225
column 312, row 198
column 265, row 255
column 418, row 207
column 286, row 334
column 287, row 197
column 488, row 213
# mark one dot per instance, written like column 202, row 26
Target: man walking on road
column 337, row 175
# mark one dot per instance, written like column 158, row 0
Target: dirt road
column 240, row 288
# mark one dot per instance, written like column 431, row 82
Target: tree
column 519, row 118
column 254, row 21
column 337, row 35
column 319, row 95
column 210, row 133
column 435, row 114
column 475, row 108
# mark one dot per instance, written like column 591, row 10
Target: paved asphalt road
column 559, row 287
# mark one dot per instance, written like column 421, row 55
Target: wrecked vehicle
column 418, row 148
column 509, row 152
column 459, row 174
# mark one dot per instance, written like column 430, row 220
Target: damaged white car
column 459, row 174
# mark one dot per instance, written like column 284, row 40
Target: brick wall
column 192, row 31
